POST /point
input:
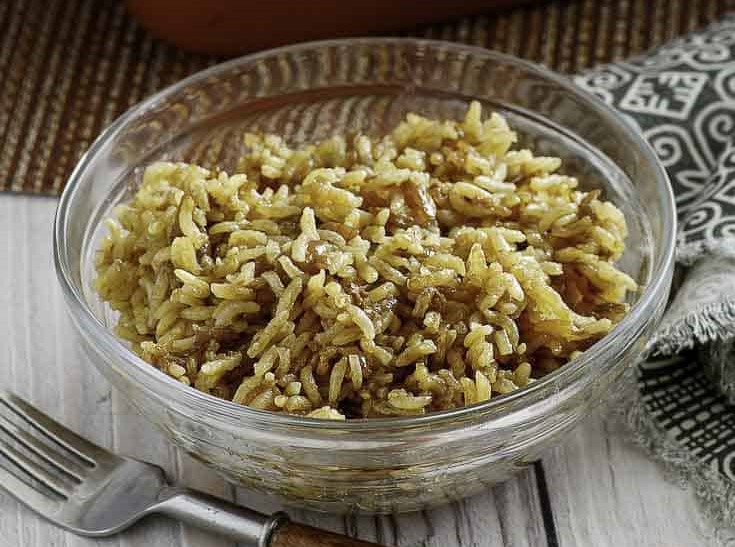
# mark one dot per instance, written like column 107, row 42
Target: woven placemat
column 69, row 68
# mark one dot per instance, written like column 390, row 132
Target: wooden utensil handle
column 291, row 534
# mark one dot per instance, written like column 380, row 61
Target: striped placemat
column 69, row 68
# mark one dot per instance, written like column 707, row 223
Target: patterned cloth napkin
column 682, row 97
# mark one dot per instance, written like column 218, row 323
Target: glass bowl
column 308, row 92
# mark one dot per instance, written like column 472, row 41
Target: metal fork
column 90, row 491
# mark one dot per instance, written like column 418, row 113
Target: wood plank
column 133, row 436
column 506, row 515
column 65, row 385
column 605, row 491
column 10, row 519
column 194, row 475
column 41, row 349
column 602, row 491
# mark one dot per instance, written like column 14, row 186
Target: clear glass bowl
column 308, row 92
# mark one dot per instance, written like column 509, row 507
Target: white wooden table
column 595, row 490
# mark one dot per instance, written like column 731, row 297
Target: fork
column 90, row 491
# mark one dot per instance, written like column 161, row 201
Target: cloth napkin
column 682, row 98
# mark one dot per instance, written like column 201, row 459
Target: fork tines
column 40, row 454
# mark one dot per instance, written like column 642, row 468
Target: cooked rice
column 430, row 269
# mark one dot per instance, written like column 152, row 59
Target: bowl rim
column 91, row 327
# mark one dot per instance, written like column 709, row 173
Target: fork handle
column 216, row 515
column 292, row 534
column 249, row 527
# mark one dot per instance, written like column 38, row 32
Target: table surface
column 595, row 489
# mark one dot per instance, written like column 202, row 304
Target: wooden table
column 595, row 490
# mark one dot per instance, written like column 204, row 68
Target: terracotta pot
column 231, row 27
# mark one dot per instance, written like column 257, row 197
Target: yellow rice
column 429, row 269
